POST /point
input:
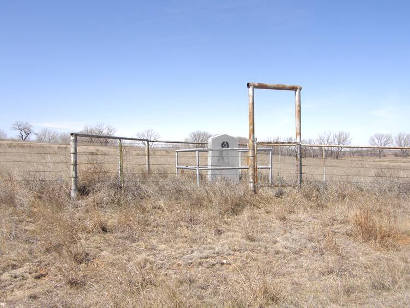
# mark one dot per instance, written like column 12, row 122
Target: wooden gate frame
column 252, row 163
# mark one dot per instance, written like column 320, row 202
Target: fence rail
column 127, row 160
column 197, row 167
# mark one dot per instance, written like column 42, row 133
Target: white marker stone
column 220, row 155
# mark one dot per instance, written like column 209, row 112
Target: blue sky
column 179, row 66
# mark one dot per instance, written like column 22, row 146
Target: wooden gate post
column 252, row 164
column 251, row 141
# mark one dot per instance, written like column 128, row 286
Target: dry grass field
column 163, row 241
column 27, row 160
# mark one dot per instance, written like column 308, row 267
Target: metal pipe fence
column 197, row 167
column 125, row 161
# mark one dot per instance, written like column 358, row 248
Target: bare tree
column 290, row 150
column 3, row 134
column 199, row 136
column 325, row 138
column 334, row 138
column 309, row 151
column 381, row 140
column 47, row 135
column 273, row 139
column 100, row 129
column 403, row 140
column 64, row 138
column 149, row 134
column 24, row 129
column 340, row 138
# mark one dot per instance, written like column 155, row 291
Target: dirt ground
column 174, row 244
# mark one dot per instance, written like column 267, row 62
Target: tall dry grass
column 167, row 242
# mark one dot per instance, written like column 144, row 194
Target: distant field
column 52, row 162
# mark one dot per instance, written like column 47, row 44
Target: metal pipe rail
column 219, row 168
column 371, row 147
column 134, row 139
column 226, row 149
column 199, row 168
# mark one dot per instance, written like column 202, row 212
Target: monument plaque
column 221, row 155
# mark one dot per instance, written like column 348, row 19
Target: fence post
column 270, row 167
column 74, row 166
column 256, row 163
column 240, row 165
column 147, row 157
column 251, row 141
column 176, row 163
column 197, row 167
column 120, row 164
column 279, row 164
column 324, row 164
column 299, row 164
column 298, row 136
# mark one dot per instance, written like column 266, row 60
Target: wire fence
column 130, row 160
column 360, row 165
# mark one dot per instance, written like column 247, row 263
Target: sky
column 181, row 66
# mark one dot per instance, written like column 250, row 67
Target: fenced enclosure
column 126, row 161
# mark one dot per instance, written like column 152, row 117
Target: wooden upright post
column 298, row 137
column 74, row 166
column 176, row 163
column 197, row 168
column 324, row 164
column 271, row 166
column 252, row 163
column 251, row 141
column 147, row 157
column 120, row 164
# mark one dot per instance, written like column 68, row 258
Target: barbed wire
column 134, row 157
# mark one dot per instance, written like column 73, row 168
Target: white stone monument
column 220, row 155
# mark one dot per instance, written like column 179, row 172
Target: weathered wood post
column 147, row 157
column 324, row 164
column 197, row 167
column 251, row 141
column 252, row 159
column 176, row 163
column 120, row 164
column 255, row 143
column 270, row 166
column 279, row 164
column 298, row 137
column 74, row 166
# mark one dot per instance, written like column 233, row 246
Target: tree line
column 25, row 132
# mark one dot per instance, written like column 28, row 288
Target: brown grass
column 162, row 241
column 170, row 243
column 376, row 228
